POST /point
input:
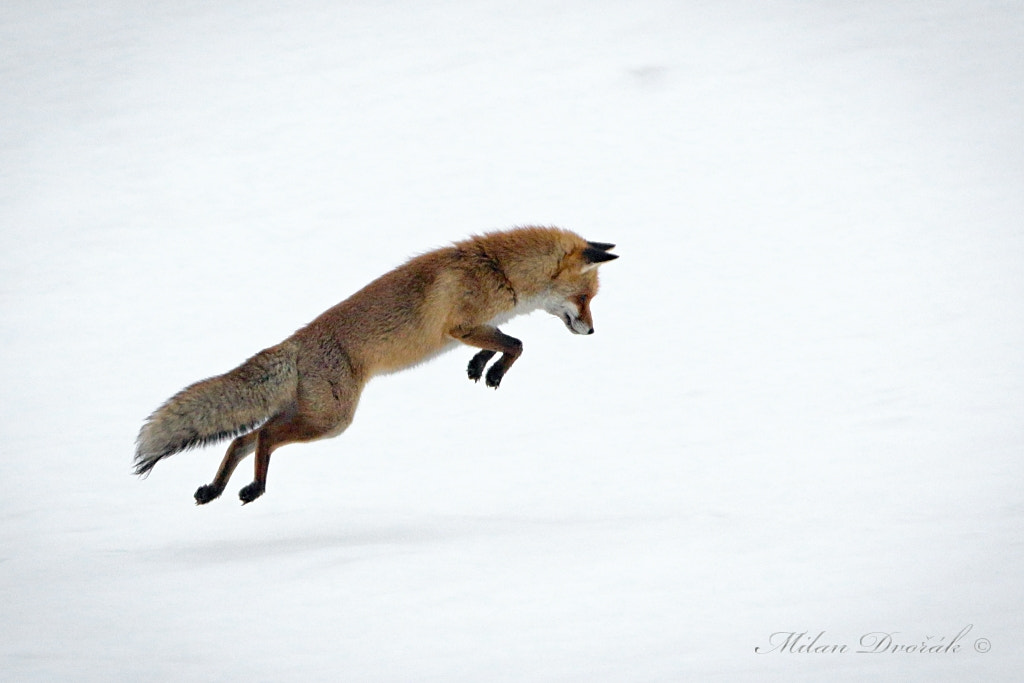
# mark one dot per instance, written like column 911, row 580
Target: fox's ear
column 603, row 246
column 593, row 257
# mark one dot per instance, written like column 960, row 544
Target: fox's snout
column 575, row 314
column 577, row 325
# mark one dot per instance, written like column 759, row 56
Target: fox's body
column 307, row 387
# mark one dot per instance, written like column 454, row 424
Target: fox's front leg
column 477, row 363
column 491, row 340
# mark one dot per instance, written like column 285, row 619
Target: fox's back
column 412, row 312
column 400, row 319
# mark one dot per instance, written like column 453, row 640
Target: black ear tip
column 603, row 246
column 594, row 255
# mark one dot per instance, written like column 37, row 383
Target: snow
column 802, row 410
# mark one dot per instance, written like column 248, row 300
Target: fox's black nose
column 591, row 331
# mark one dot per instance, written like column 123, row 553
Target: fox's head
column 575, row 284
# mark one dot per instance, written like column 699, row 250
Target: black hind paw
column 206, row 493
column 477, row 363
column 251, row 492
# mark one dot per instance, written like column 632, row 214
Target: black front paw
column 251, row 492
column 477, row 363
column 495, row 374
column 207, row 492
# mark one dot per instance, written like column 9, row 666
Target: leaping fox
column 307, row 387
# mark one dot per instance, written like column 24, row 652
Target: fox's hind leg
column 325, row 409
column 237, row 451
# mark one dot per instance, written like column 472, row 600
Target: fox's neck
column 529, row 276
column 527, row 273
column 529, row 258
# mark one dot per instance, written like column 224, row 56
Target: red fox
column 307, row 387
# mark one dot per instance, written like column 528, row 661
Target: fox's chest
column 524, row 306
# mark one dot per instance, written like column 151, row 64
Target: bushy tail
column 220, row 407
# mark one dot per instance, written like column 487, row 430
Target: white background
column 802, row 411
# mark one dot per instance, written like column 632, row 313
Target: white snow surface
column 802, row 410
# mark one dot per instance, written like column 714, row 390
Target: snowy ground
column 803, row 409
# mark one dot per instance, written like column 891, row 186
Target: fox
column 307, row 387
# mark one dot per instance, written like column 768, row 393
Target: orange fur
column 308, row 386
